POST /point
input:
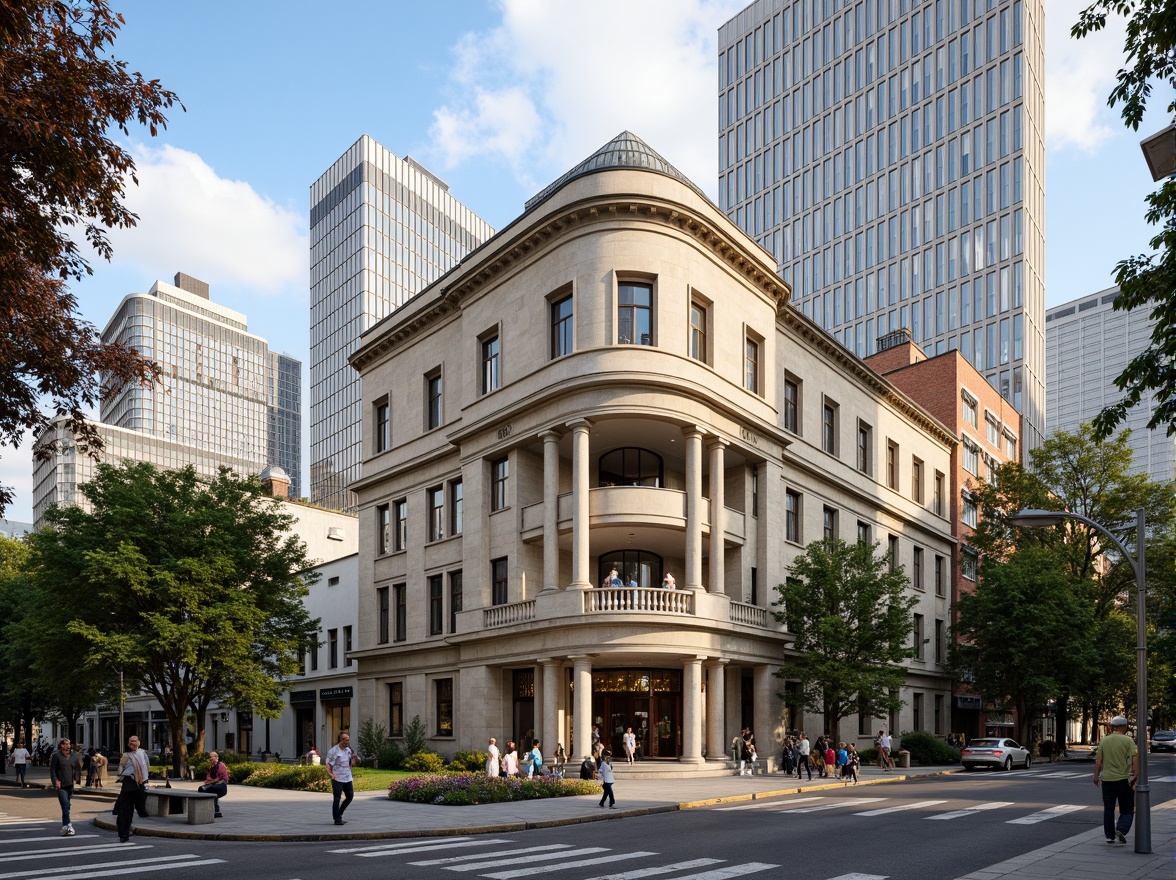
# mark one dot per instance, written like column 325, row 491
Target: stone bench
column 199, row 806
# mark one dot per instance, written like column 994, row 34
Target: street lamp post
column 1037, row 519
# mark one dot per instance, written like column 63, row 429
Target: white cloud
column 1079, row 75
column 555, row 81
column 211, row 227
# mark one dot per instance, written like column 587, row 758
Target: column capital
column 717, row 663
column 691, row 431
column 581, row 658
column 578, row 423
column 716, row 442
column 550, row 435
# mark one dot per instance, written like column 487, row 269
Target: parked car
column 1163, row 741
column 995, row 752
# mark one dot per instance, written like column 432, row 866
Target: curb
column 759, row 795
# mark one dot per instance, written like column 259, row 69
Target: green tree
column 1146, row 281
column 189, row 587
column 849, row 613
column 20, row 698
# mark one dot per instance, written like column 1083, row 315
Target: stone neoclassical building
column 618, row 380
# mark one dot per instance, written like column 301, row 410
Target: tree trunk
column 179, row 743
column 1063, row 720
column 26, row 711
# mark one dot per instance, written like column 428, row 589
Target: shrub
column 868, row 756
column 470, row 762
column 370, row 741
column 390, row 756
column 471, row 788
column 927, row 749
column 416, row 737
column 289, row 776
column 424, row 762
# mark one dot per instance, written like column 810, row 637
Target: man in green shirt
column 1117, row 760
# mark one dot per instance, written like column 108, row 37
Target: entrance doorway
column 649, row 701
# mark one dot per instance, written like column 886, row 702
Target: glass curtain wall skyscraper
column 890, row 154
column 381, row 229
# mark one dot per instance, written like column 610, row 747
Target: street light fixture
column 1030, row 518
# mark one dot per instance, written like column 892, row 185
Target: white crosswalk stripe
column 1045, row 815
column 129, row 866
column 1062, row 774
column 418, row 845
column 13, row 820
column 54, row 837
column 433, row 847
column 971, row 811
column 765, row 804
column 578, row 863
column 861, row 877
column 641, row 873
column 529, row 850
column 513, row 859
column 1163, row 779
column 27, row 854
column 881, row 811
column 848, row 802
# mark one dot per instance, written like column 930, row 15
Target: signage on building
column 965, row 702
column 339, row 693
column 301, row 697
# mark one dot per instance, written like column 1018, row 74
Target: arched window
column 632, row 565
column 630, row 466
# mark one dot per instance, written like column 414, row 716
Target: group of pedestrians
column 829, row 758
column 743, row 752
column 508, row 763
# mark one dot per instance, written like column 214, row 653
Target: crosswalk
column 502, row 859
column 25, row 842
column 821, row 803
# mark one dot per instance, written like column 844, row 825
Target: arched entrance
column 648, row 700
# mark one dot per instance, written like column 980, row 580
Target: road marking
column 12, row 820
column 1045, row 815
column 850, row 802
column 1163, row 779
column 367, row 852
column 653, row 872
column 1062, row 774
column 860, row 877
column 884, row 810
column 407, row 843
column 54, row 837
column 764, row 804
column 972, row 811
column 512, row 857
column 48, row 872
column 23, row 829
column 139, row 869
column 24, row 855
column 732, row 871
column 579, row 863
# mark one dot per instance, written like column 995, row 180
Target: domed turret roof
column 626, row 150
column 274, row 472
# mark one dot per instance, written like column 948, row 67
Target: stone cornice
column 851, row 364
column 527, row 242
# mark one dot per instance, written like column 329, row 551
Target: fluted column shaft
column 581, row 557
column 718, row 517
column 693, row 575
column 550, row 510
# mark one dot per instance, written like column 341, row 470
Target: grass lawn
column 367, row 779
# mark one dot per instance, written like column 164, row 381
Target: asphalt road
column 936, row 828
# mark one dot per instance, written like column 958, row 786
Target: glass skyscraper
column 890, row 155
column 283, row 390
column 381, row 229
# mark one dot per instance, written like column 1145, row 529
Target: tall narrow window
column 436, row 499
column 444, row 706
column 383, row 529
column 399, row 612
column 969, row 517
column 698, row 332
column 314, row 654
column 940, row 484
column 498, row 583
column 792, row 516
column 891, row 464
column 399, row 525
column 864, row 433
column 491, row 378
column 940, row 584
column 347, row 661
column 917, row 480
column 455, row 599
column 436, row 604
column 940, row 642
column 863, row 532
column 829, row 427
column 456, row 508
column 383, row 427
column 396, row 709
column 830, row 524
column 383, row 610
column 499, row 477
column 892, row 551
column 751, row 365
column 792, row 405
column 917, row 569
column 433, row 401
column 635, row 314
column 332, row 648
column 561, row 327
column 920, row 652
column 968, row 565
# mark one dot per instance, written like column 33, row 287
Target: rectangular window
column 498, row 583
column 968, row 565
column 314, row 656
column 917, row 480
column 491, row 376
column 920, row 653
column 456, row 508
column 635, row 314
column 436, row 604
column 917, row 710
column 433, row 401
column 971, row 458
column 347, row 661
column 970, row 516
column 940, row 586
column 993, row 429
column 830, row 524
column 792, row 405
column 792, row 516
column 970, row 403
column 561, row 327
column 863, row 532
column 383, row 420
column 436, row 504
column 917, row 569
column 939, row 713
column 940, row 482
column 455, row 599
column 499, row 477
column 383, row 529
column 751, row 358
column 383, row 615
column 829, row 427
column 444, row 688
column 892, row 551
column 396, row 709
column 698, row 332
column 332, row 649
column 892, row 464
column 864, row 434
column 399, row 612
column 940, row 644
column 399, row 525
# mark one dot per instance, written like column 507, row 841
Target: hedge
column 471, row 788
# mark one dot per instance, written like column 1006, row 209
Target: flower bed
column 455, row 790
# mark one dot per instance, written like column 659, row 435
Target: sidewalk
column 270, row 814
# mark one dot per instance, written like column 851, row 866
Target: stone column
column 550, row 510
column 580, row 476
column 716, row 709
column 764, row 722
column 540, row 707
column 692, row 710
column 718, row 517
column 693, row 573
column 549, row 728
column 582, row 686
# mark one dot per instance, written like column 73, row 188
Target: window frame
column 970, row 408
column 395, row 708
column 561, row 327
column 792, row 517
column 500, row 581
column 865, row 433
column 382, row 416
column 636, row 309
column 456, row 598
column 829, row 523
column 400, row 612
column 499, row 484
column 383, row 529
column 698, row 332
column 917, row 569
column 456, row 507
column 830, row 429
column 892, row 465
column 917, row 467
column 434, row 400
column 753, row 362
column 399, row 525
column 435, row 507
column 940, row 580
column 443, row 705
column 919, row 637
column 435, row 584
column 383, row 615
column 347, row 645
column 332, row 649
column 490, row 362
column 792, row 403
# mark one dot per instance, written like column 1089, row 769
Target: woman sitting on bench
column 216, row 781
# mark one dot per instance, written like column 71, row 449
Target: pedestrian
column 854, row 762
column 744, row 756
column 133, row 772
column 752, row 757
column 596, row 747
column 737, row 746
column 340, row 760
column 803, row 748
column 788, row 756
column 884, row 744
column 561, row 760
column 535, row 760
column 98, row 762
column 843, row 763
column 65, row 768
column 510, row 761
column 588, row 768
column 830, row 759
column 1117, row 759
column 19, row 758
column 605, row 774
column 216, row 782
column 493, row 765
column 630, row 741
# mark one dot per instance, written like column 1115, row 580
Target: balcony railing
column 752, row 615
column 638, row 599
column 505, row 615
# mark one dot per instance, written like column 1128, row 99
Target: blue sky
column 496, row 98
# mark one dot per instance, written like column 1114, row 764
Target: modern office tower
column 1087, row 345
column 890, row 154
column 283, row 391
column 381, row 228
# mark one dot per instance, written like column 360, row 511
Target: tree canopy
column 62, row 99
column 193, row 589
column 1146, row 281
column 849, row 612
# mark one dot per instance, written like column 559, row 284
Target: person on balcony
column 668, row 582
column 613, row 580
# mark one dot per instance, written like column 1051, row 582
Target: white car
column 995, row 752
